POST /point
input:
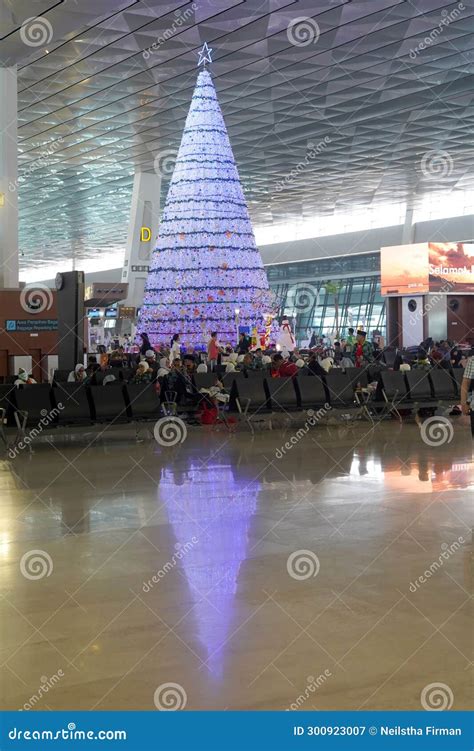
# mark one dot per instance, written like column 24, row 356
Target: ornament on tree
column 204, row 199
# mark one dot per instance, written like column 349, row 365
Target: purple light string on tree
column 206, row 265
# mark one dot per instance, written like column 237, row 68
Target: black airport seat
column 250, row 392
column 205, row 380
column 73, row 403
column 8, row 402
column 97, row 378
column 143, row 402
column 358, row 375
column 388, row 356
column 227, row 380
column 35, row 400
column 282, row 394
column 109, row 404
column 126, row 374
column 443, row 385
column 257, row 373
column 340, row 389
column 60, row 376
column 394, row 385
column 312, row 392
column 419, row 385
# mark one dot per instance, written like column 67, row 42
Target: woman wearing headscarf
column 143, row 374
column 23, row 378
column 78, row 375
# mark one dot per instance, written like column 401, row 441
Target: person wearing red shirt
column 283, row 368
column 213, row 350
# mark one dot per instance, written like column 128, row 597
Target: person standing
column 363, row 350
column 350, row 340
column 146, row 344
column 466, row 391
column 213, row 350
column 175, row 350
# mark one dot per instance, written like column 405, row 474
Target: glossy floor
column 246, row 574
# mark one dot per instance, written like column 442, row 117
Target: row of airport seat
column 69, row 404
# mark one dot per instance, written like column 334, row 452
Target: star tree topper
column 205, row 55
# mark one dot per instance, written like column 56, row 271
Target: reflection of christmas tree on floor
column 206, row 269
column 213, row 505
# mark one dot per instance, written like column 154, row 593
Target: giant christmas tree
column 206, row 273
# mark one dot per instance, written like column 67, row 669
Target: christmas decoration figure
column 206, row 264
column 286, row 340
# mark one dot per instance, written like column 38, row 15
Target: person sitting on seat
column 422, row 362
column 283, row 368
column 180, row 382
column 150, row 358
column 435, row 354
column 78, row 375
column 23, row 378
column 143, row 374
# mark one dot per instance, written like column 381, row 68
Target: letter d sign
column 145, row 235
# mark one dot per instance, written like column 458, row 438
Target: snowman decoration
column 286, row 340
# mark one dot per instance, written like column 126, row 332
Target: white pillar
column 144, row 216
column 8, row 179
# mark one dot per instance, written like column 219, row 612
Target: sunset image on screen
column 404, row 269
column 451, row 267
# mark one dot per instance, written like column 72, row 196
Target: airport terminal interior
column 236, row 354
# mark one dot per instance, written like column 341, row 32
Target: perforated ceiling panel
column 329, row 104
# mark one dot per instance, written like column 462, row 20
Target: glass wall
column 311, row 292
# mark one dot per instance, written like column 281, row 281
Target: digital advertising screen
column 404, row 269
column 427, row 267
column 451, row 267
